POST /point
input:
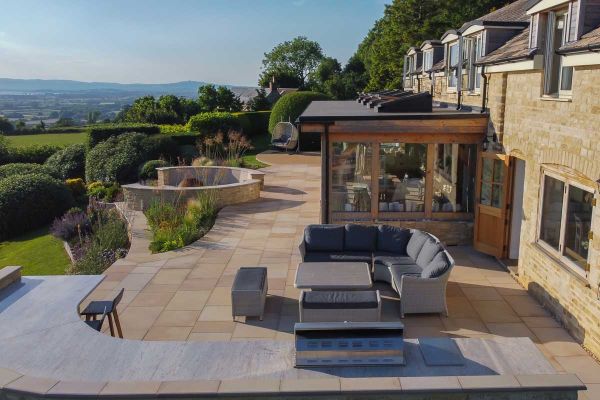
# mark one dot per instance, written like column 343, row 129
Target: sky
column 161, row 41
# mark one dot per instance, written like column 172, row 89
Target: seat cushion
column 360, row 237
column 428, row 251
column 250, row 278
column 350, row 256
column 392, row 239
column 324, row 237
column 437, row 267
column 398, row 270
column 388, row 259
column 324, row 299
column 416, row 242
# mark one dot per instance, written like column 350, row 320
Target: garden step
column 9, row 275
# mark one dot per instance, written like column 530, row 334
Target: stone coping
column 12, row 382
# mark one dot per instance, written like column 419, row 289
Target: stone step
column 9, row 275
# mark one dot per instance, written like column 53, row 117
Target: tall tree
column 297, row 57
column 6, row 126
column 211, row 98
column 259, row 102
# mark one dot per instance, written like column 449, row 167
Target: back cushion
column 437, row 267
column 392, row 239
column 360, row 238
column 324, row 237
column 416, row 242
column 428, row 251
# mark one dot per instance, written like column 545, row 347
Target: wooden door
column 492, row 210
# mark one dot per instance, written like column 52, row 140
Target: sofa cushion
column 416, row 242
column 348, row 256
column 360, row 237
column 392, row 239
column 437, row 267
column 354, row 299
column 324, row 237
column 398, row 270
column 389, row 259
column 428, row 251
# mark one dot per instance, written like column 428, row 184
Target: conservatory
column 394, row 158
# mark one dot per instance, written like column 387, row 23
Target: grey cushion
column 392, row 239
column 398, row 270
column 250, row 278
column 360, row 237
column 389, row 259
column 324, row 299
column 324, row 237
column 349, row 256
column 416, row 242
column 428, row 251
column 437, row 267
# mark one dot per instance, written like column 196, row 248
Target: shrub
column 30, row 201
column 159, row 146
column 116, row 159
column 148, row 171
column 68, row 162
column 36, row 153
column 7, row 170
column 104, row 191
column 208, row 124
column 76, row 186
column 190, row 138
column 100, row 133
column 290, row 106
column 4, row 152
column 171, row 129
column 254, row 123
column 71, row 225
column 187, row 153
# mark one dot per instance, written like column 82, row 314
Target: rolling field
column 61, row 139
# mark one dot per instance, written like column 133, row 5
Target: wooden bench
column 9, row 275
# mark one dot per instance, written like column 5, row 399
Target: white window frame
column 553, row 15
column 427, row 59
column 450, row 70
column 559, row 254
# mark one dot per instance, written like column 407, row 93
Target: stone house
column 534, row 67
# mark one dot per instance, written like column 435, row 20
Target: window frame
column 559, row 254
column 550, row 64
column 427, row 59
column 452, row 71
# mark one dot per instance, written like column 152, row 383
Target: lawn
column 61, row 139
column 260, row 143
column 38, row 252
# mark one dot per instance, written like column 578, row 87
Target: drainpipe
column 459, row 73
column 432, row 82
column 483, row 89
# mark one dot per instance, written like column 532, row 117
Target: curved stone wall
column 231, row 186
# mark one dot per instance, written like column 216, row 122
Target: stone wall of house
column 562, row 134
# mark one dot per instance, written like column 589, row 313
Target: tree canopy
column 6, row 126
column 211, row 98
column 291, row 60
column 167, row 109
column 259, row 102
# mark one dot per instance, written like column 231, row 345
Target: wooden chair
column 108, row 307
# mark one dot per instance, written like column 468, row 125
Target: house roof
column 515, row 49
column 587, row 42
column 431, row 42
column 438, row 66
column 512, row 14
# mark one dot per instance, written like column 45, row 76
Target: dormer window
column 474, row 50
column 427, row 60
column 558, row 79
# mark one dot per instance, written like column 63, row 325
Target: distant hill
column 185, row 88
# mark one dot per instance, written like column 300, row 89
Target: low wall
column 229, row 185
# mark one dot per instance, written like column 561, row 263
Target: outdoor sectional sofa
column 413, row 262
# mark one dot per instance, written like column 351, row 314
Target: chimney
column 272, row 84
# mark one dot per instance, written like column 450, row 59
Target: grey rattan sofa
column 414, row 262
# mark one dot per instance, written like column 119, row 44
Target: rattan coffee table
column 333, row 276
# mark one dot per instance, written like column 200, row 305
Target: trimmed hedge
column 291, row 105
column 68, row 162
column 7, row 170
column 148, row 170
column 99, row 133
column 30, row 201
column 4, row 150
column 34, row 131
column 36, row 153
column 119, row 157
column 208, row 124
column 190, row 138
column 254, row 123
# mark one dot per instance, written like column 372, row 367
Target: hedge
column 68, row 162
column 119, row 157
column 30, row 201
column 291, row 105
column 7, row 170
column 254, row 123
column 208, row 124
column 36, row 153
column 35, row 131
column 99, row 133
column 4, row 150
column 148, row 170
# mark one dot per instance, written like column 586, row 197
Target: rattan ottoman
column 249, row 292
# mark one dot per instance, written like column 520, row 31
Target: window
column 492, row 182
column 408, row 69
column 565, row 219
column 351, row 177
column 558, row 79
column 454, row 177
column 402, row 178
column 427, row 60
column 453, row 65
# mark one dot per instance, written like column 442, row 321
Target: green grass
column 38, row 252
column 61, row 139
column 260, row 143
